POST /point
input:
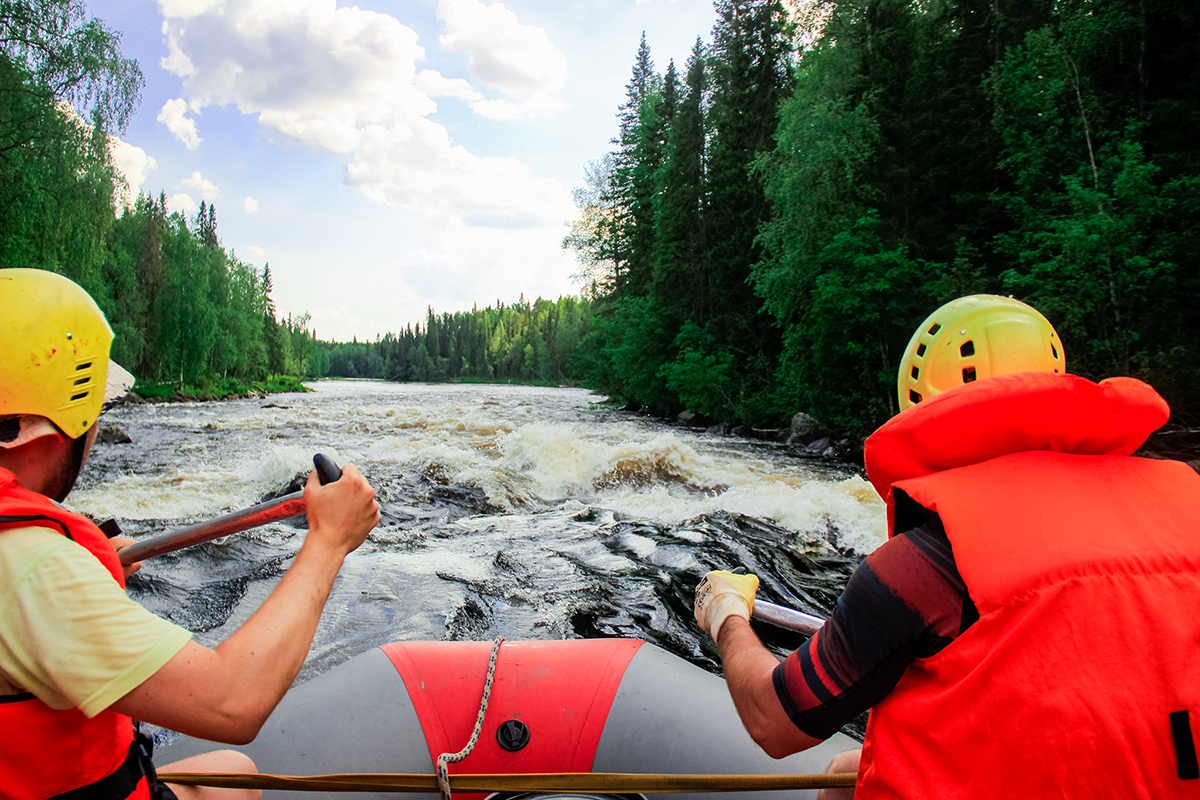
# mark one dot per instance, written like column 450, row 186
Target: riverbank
column 218, row 389
column 807, row 437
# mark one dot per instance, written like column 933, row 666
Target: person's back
column 1062, row 664
column 1084, row 568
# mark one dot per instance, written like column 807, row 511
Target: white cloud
column 435, row 84
column 182, row 203
column 251, row 205
column 537, row 106
column 173, row 116
column 501, row 52
column 344, row 82
column 133, row 163
column 207, row 189
column 256, row 252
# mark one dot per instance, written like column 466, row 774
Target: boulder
column 803, row 425
column 112, row 435
column 820, row 445
column 133, row 399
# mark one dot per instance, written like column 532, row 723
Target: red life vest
column 1081, row 677
column 45, row 752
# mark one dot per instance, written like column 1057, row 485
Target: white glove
column 722, row 594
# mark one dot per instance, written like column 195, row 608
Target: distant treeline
column 184, row 310
column 780, row 215
column 543, row 341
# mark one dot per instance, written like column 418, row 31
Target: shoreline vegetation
column 777, row 217
column 212, row 390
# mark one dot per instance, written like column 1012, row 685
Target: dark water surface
column 516, row 511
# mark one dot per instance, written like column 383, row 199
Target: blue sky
column 387, row 156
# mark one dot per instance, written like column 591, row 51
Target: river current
column 528, row 513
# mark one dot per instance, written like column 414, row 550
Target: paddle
column 783, row 617
column 289, row 505
column 787, row 618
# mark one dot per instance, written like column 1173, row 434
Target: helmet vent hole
column 968, row 374
column 913, row 396
column 916, row 373
column 75, row 397
column 82, row 381
column 83, row 366
column 967, row 350
column 933, row 331
column 1054, row 350
column 920, row 350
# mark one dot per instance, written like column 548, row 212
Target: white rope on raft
column 446, row 759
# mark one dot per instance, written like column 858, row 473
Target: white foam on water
column 665, row 479
column 281, row 463
column 201, row 490
column 850, row 508
column 169, row 495
column 641, row 546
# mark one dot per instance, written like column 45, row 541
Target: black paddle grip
column 327, row 471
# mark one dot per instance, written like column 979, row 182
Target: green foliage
column 807, row 219
column 702, row 375
column 841, row 363
column 545, row 341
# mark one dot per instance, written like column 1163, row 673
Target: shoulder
column 26, row 549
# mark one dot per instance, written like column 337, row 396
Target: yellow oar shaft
column 591, row 782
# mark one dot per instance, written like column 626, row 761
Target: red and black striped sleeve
column 906, row 600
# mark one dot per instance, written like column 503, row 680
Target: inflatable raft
column 580, row 705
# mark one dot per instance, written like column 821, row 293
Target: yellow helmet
column 976, row 337
column 54, row 359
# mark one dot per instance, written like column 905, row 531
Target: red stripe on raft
column 562, row 690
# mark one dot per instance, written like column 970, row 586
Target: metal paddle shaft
column 787, row 618
column 783, row 617
column 290, row 505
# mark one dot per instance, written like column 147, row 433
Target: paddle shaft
column 787, row 618
column 290, row 505
column 783, row 617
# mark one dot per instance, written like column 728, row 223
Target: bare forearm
column 226, row 694
column 263, row 657
column 748, row 670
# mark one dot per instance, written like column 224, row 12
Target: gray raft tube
column 668, row 716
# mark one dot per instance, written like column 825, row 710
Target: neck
column 39, row 465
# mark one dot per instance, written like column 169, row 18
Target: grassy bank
column 219, row 388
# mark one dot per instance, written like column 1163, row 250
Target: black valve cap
column 512, row 735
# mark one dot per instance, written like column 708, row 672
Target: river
column 531, row 513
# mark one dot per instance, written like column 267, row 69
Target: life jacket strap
column 122, row 782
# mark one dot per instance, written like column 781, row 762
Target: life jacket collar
column 1013, row 413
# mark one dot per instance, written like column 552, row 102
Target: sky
column 392, row 155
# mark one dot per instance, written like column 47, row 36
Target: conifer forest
column 774, row 219
column 781, row 212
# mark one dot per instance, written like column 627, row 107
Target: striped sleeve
column 906, row 600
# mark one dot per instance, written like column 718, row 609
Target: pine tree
column 752, row 73
column 680, row 270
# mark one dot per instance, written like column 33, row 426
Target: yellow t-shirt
column 68, row 633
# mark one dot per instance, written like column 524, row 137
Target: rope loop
column 446, row 759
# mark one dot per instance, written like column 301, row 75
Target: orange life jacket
column 1081, row 677
column 45, row 752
